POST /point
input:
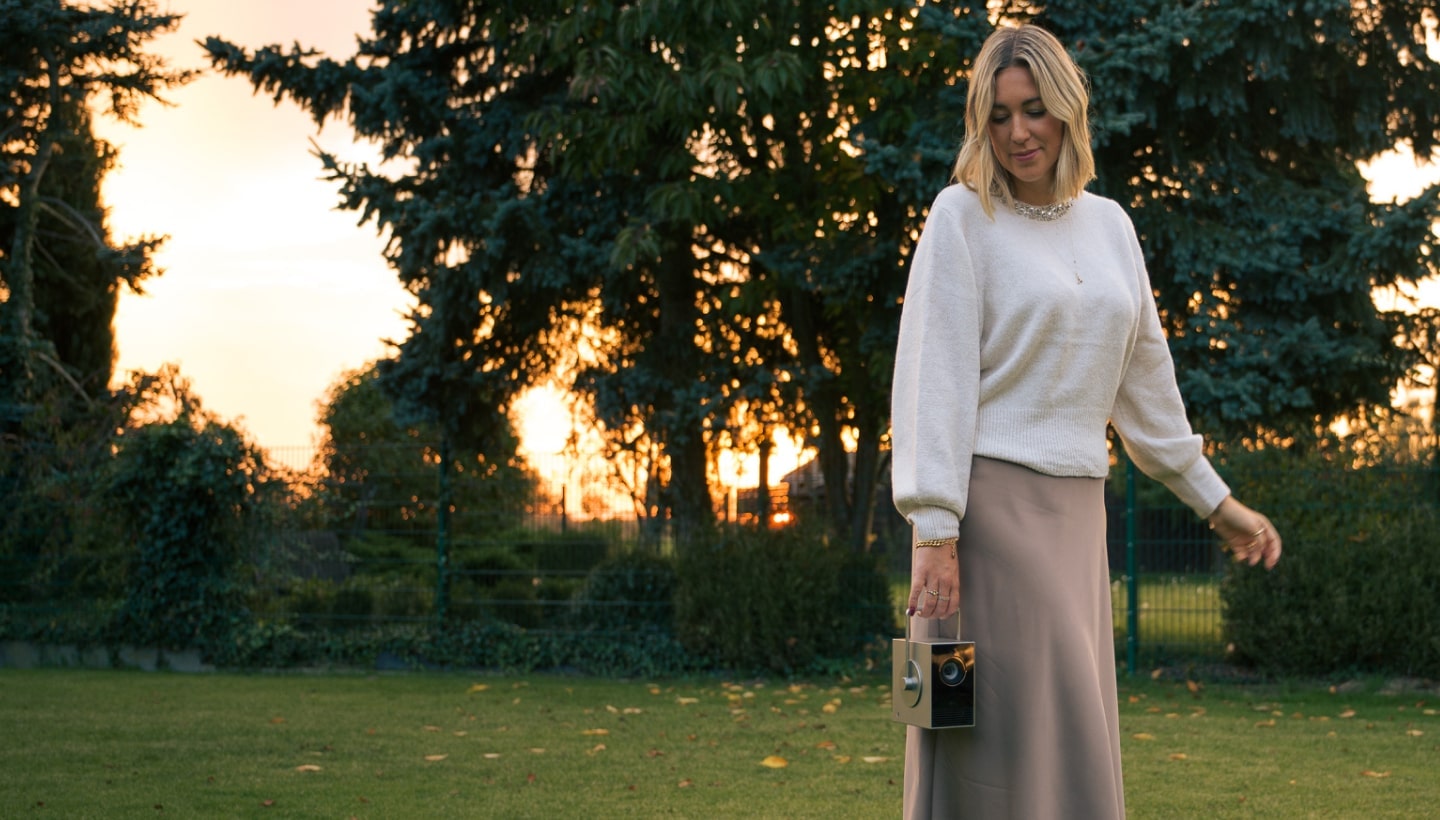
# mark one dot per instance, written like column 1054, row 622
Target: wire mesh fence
column 378, row 547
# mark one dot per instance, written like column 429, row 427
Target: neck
column 1038, row 193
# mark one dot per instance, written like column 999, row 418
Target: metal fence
column 385, row 551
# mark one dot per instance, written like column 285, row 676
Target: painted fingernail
column 910, row 612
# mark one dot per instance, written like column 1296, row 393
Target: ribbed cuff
column 936, row 522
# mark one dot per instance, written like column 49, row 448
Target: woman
column 1029, row 324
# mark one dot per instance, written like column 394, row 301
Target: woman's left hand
column 1248, row 535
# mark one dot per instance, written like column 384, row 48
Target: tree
column 375, row 467
column 1231, row 131
column 55, row 58
column 698, row 213
column 605, row 177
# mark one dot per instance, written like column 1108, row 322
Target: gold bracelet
column 938, row 542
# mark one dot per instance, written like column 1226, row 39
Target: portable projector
column 933, row 681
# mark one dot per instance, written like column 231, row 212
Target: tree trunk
column 679, row 414
column 762, row 486
column 17, row 335
column 863, row 483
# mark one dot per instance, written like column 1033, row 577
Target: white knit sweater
column 1004, row 354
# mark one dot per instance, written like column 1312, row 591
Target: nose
column 1019, row 132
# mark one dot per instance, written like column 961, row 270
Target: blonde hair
column 1064, row 92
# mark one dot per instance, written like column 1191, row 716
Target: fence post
column 1132, row 580
column 442, row 534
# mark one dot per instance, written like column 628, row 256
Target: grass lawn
column 130, row 744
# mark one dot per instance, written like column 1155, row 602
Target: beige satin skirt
column 1035, row 598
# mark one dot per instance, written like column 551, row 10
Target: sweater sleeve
column 1149, row 413
column 937, row 380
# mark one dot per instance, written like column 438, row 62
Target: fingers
column 934, row 586
column 1257, row 546
column 1271, row 547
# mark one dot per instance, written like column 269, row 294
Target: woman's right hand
column 934, row 581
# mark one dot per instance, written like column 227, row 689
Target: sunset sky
column 269, row 293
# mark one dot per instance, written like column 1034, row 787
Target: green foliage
column 378, row 474
column 185, row 493
column 1358, row 588
column 780, row 600
column 1231, row 131
column 59, row 267
column 631, row 592
column 484, row 646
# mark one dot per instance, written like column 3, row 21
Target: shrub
column 633, row 592
column 1358, row 588
column 784, row 601
column 185, row 492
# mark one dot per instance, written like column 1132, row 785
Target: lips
column 1027, row 155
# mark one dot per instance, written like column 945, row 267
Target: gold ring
column 933, row 592
column 943, row 597
column 1259, row 532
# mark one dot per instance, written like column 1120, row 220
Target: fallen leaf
column 266, row 803
column 460, row 733
column 1155, row 675
column 611, row 709
column 686, row 783
column 1414, row 733
column 631, row 710
column 599, row 747
column 1368, row 773
column 842, row 759
column 432, row 728
column 686, row 701
column 435, row 758
column 277, row 720
column 479, row 687
column 874, row 759
column 594, row 732
column 530, row 778
column 1265, row 724
column 825, row 744
column 830, row 708
column 308, row 767
column 1179, row 756
column 1192, row 686
column 536, row 750
column 491, row 755
column 1347, row 714
column 1143, row 736
column 774, row 762
column 654, row 753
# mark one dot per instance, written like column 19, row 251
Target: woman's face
column 1024, row 136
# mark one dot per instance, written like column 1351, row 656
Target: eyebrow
column 1035, row 99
